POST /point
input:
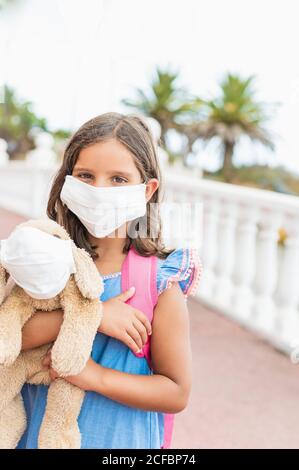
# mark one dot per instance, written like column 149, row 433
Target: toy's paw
column 9, row 350
column 68, row 438
column 12, row 423
column 66, row 364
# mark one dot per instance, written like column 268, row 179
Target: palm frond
column 166, row 101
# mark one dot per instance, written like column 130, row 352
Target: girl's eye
column 119, row 180
column 84, row 175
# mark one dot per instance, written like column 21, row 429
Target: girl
column 108, row 178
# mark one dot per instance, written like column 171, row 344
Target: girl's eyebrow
column 122, row 173
column 78, row 168
column 115, row 172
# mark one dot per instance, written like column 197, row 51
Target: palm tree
column 17, row 119
column 235, row 112
column 171, row 105
column 4, row 3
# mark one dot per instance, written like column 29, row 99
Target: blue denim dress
column 104, row 423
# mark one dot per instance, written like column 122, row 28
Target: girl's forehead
column 105, row 155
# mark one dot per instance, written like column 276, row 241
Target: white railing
column 24, row 188
column 247, row 274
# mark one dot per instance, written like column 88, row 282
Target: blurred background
column 219, row 85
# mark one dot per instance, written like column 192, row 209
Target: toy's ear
column 87, row 277
column 3, row 281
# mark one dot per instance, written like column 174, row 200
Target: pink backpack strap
column 141, row 272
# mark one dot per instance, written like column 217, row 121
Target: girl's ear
column 3, row 281
column 151, row 187
column 87, row 277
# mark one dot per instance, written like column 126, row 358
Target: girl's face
column 110, row 163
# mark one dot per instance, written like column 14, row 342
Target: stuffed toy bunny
column 82, row 309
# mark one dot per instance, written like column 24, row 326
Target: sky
column 75, row 59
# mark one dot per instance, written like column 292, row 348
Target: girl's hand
column 125, row 323
column 85, row 380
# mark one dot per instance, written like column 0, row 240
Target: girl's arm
column 42, row 328
column 168, row 389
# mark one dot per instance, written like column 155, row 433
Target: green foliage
column 234, row 112
column 236, row 103
column 17, row 119
column 61, row 134
column 16, row 114
column 6, row 3
column 166, row 102
column 261, row 176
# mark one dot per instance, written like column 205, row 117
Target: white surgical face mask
column 103, row 210
column 38, row 262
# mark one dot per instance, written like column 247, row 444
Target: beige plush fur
column 71, row 350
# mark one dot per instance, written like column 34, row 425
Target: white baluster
column 244, row 269
column 184, row 218
column 171, row 218
column 209, row 246
column 167, row 198
column 264, row 310
column 226, row 253
column 4, row 157
column 191, row 221
column 43, row 156
column 287, row 295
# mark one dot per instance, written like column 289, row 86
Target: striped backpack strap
column 141, row 272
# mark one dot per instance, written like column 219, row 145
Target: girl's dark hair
column 133, row 132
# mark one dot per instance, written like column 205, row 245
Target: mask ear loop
column 140, row 219
column 146, row 180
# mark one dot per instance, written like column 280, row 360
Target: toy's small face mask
column 38, row 262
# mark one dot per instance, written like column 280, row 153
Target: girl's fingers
column 144, row 320
column 124, row 296
column 135, row 335
column 46, row 362
column 141, row 330
column 131, row 343
column 53, row 374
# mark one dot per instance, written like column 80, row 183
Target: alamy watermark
column 181, row 223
